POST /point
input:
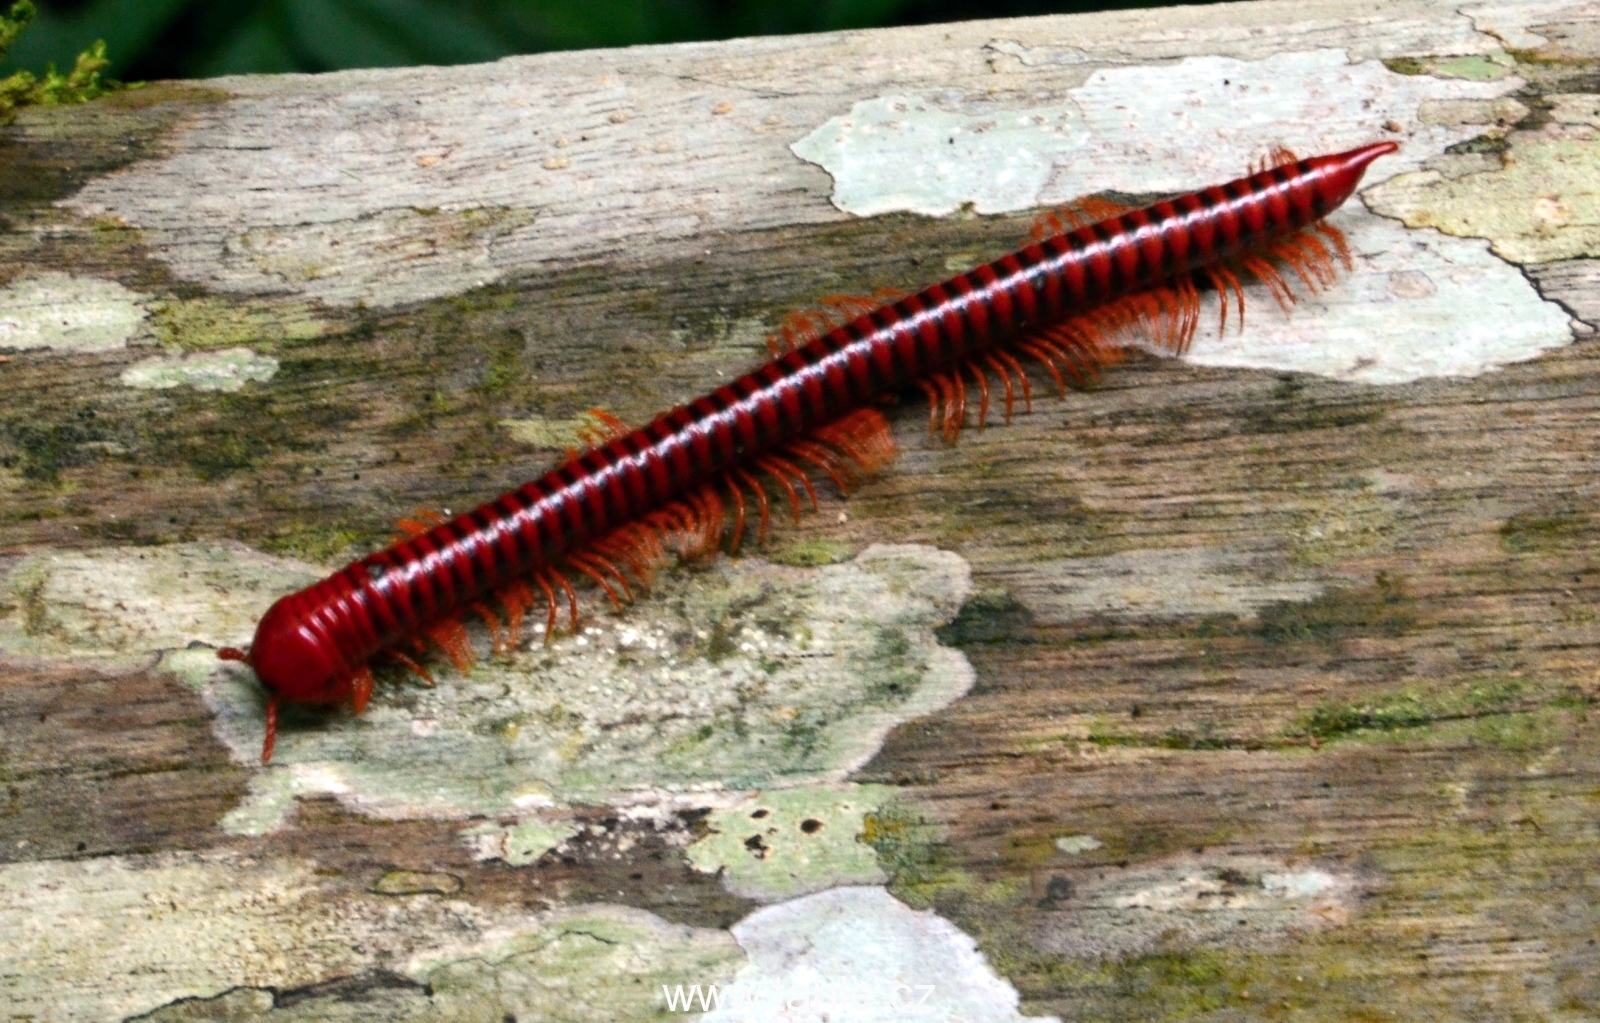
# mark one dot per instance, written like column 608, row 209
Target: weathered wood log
column 1251, row 685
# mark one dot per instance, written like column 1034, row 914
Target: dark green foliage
column 23, row 88
column 201, row 38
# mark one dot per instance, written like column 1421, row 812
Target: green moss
column 988, row 616
column 1407, row 66
column 1109, row 741
column 904, row 836
column 1411, row 708
column 316, row 541
column 810, row 552
column 220, row 435
column 42, row 451
column 1545, row 534
column 210, row 323
column 1382, row 609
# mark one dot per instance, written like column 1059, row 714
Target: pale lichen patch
column 68, row 314
column 1542, row 205
column 1075, row 845
column 579, row 963
column 518, row 844
column 1111, row 912
column 741, row 676
column 120, row 605
column 227, row 370
column 204, row 936
column 435, row 252
column 1152, row 584
column 858, row 954
column 1419, row 304
column 788, row 842
column 1129, row 130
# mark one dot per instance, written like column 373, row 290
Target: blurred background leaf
column 152, row 39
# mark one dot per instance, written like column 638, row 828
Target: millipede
column 1093, row 280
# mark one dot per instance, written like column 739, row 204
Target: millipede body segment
column 1068, row 299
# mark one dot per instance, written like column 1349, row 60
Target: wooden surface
column 1361, row 638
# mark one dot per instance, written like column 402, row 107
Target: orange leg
column 805, row 481
column 738, row 513
column 933, row 403
column 451, row 637
column 953, row 424
column 550, row 596
column 578, row 562
column 1027, row 385
column 272, row 728
column 761, row 501
column 407, row 662
column 1005, row 378
column 983, row 389
column 783, row 481
column 492, row 620
column 1038, row 353
column 823, row 459
column 361, row 688
column 516, row 598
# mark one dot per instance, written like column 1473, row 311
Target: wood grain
column 1378, row 658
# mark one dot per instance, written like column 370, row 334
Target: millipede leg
column 550, row 597
column 928, row 388
column 406, row 662
column 738, row 514
column 360, row 688
column 581, row 563
column 982, row 381
column 1022, row 375
column 761, row 501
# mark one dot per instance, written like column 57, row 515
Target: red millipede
column 1069, row 299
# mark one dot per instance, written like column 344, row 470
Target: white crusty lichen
column 1199, row 898
column 1419, row 304
column 1130, row 130
column 67, row 313
column 120, row 606
column 788, row 842
column 227, row 370
column 186, row 936
column 737, row 676
column 857, row 954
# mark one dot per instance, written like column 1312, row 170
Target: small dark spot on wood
column 758, row 814
column 811, row 825
column 1058, row 889
column 757, row 846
